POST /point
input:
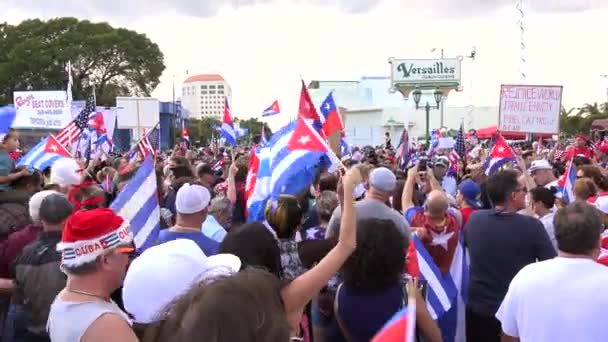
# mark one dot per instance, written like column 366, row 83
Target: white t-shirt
column 562, row 299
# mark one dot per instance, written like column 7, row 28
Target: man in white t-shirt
column 562, row 299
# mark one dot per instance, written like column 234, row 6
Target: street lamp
column 417, row 94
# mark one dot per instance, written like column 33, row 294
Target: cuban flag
column 217, row 166
column 308, row 111
column 435, row 135
column 272, row 110
column 500, row 154
column 138, row 203
column 401, row 327
column 44, row 154
column 566, row 183
column 440, row 291
column 227, row 131
column 287, row 165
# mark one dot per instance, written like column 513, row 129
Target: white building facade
column 369, row 111
column 204, row 95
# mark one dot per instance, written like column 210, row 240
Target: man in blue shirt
column 191, row 204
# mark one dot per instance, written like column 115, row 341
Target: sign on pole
column 425, row 72
column 529, row 108
column 41, row 109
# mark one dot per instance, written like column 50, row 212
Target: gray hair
column 219, row 205
column 578, row 228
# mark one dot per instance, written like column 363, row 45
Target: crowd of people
column 328, row 264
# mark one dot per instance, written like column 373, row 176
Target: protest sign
column 529, row 108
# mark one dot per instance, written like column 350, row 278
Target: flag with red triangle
column 308, row 111
column 272, row 110
column 500, row 154
column 53, row 146
column 305, row 137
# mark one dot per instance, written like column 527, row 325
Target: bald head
column 437, row 203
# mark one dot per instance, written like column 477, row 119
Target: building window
column 221, row 86
column 220, row 91
column 203, row 92
column 212, row 86
column 211, row 91
column 203, row 87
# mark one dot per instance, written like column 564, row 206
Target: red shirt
column 573, row 151
column 441, row 251
column 466, row 213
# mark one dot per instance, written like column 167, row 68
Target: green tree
column 254, row 127
column 117, row 61
column 201, row 130
column 579, row 120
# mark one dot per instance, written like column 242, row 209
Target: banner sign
column 529, row 108
column 41, row 109
column 425, row 71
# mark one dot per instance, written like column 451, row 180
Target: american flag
column 404, row 149
column 459, row 152
column 150, row 143
column 460, row 147
column 74, row 129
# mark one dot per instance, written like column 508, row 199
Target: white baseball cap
column 541, row 164
column 164, row 272
column 191, row 199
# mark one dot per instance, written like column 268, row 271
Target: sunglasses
column 126, row 250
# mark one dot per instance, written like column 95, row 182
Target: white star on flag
column 501, row 149
column 441, row 239
column 310, row 233
column 304, row 139
column 54, row 148
column 328, row 106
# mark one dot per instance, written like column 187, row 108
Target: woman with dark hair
column 255, row 245
column 373, row 290
column 253, row 305
column 284, row 216
column 543, row 205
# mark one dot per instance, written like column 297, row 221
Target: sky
column 263, row 47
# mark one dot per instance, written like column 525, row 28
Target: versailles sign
column 421, row 72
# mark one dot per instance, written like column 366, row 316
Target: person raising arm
column 302, row 289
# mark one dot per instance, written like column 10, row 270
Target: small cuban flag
column 272, row 110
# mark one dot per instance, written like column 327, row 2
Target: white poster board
column 529, row 108
column 137, row 113
column 41, row 109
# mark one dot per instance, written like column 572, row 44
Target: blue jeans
column 15, row 325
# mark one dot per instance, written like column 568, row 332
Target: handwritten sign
column 529, row 108
column 41, row 109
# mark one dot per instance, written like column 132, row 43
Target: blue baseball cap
column 470, row 192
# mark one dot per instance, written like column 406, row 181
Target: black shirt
column 499, row 246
